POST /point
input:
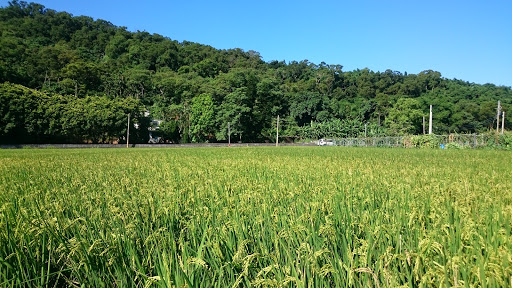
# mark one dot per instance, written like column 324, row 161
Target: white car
column 326, row 142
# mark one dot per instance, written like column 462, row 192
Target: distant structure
column 430, row 121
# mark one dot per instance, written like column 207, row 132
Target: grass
column 255, row 217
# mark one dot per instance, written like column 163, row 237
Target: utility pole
column 229, row 135
column 423, row 125
column 128, row 132
column 502, row 122
column 430, row 121
column 277, row 134
column 498, row 117
column 365, row 124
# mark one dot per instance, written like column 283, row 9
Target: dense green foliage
column 31, row 116
column 255, row 217
column 57, row 53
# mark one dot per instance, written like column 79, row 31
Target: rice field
column 255, row 217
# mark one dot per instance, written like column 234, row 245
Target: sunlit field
column 255, row 217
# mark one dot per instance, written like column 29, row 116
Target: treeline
column 30, row 116
column 197, row 90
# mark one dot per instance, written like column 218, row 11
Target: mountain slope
column 197, row 89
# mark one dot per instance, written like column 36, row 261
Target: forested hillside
column 82, row 77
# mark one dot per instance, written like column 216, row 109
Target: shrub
column 425, row 141
column 455, row 145
column 505, row 140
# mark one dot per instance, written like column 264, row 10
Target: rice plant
column 255, row 217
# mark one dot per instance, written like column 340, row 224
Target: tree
column 305, row 106
column 137, row 82
column 235, row 111
column 21, row 111
column 81, row 78
column 405, row 117
column 202, row 119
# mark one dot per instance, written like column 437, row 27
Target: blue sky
column 469, row 40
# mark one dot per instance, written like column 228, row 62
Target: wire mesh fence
column 460, row 140
column 371, row 142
